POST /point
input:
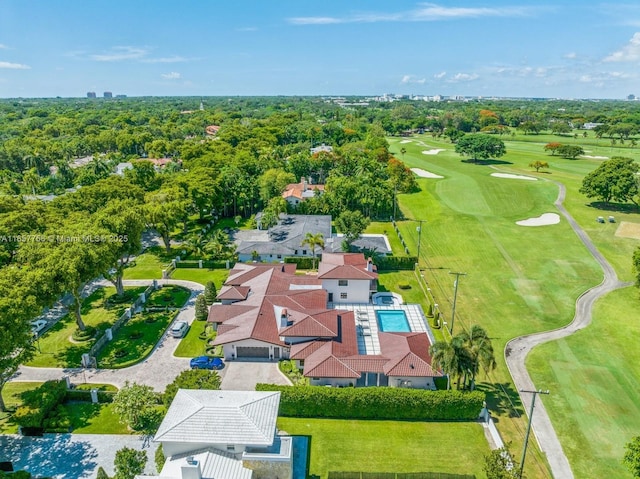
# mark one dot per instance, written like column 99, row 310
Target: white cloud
column 406, row 79
column 628, row 53
column 462, row 77
column 172, row 59
column 426, row 12
column 171, row 76
column 571, row 55
column 440, row 75
column 14, row 66
column 120, row 53
column 3, row 47
column 247, row 29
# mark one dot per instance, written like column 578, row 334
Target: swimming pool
column 393, row 320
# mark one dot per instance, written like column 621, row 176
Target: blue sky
column 570, row 49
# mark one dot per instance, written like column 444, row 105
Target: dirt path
column 517, row 349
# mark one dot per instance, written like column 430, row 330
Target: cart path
column 157, row 370
column 517, row 349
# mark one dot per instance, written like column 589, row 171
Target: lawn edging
column 377, row 403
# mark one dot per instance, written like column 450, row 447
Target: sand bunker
column 433, row 151
column 425, row 174
column 406, row 141
column 514, row 177
column 628, row 230
column 542, row 220
column 595, row 157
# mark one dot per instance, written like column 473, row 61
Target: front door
column 276, row 353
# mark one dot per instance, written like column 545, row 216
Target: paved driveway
column 244, row 375
column 70, row 456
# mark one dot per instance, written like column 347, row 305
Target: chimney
column 191, row 469
column 369, row 265
column 303, row 182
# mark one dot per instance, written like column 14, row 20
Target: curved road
column 517, row 349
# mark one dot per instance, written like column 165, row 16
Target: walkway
column 158, row 370
column 517, row 349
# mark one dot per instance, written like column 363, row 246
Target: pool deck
column 367, row 323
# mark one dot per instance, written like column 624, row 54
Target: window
column 343, row 295
column 295, row 252
column 343, row 282
column 279, row 256
column 231, row 448
column 304, row 251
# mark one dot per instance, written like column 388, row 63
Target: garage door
column 247, row 352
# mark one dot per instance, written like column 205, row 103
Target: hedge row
column 42, row 407
column 302, row 262
column 205, row 264
column 376, row 403
column 395, row 263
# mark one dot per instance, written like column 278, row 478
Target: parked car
column 38, row 325
column 206, row 362
column 179, row 329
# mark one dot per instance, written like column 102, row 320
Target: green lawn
column 135, row 340
column 390, row 446
column 192, row 345
column 218, row 276
column 146, row 266
column 168, row 296
column 521, row 280
column 56, row 347
column 594, row 378
column 11, row 394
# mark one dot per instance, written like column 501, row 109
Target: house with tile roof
column 210, row 434
column 295, row 193
column 269, row 312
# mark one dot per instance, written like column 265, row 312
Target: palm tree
column 31, row 179
column 403, row 150
column 445, row 359
column 313, row 240
column 480, row 351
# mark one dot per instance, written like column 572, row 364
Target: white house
column 210, row 434
column 347, row 277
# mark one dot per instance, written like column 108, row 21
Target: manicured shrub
column 191, row 379
column 404, row 286
column 202, row 310
column 129, row 463
column 376, row 403
column 395, row 263
column 160, row 459
column 302, row 262
column 210, row 292
column 40, row 403
column 102, row 474
column 88, row 333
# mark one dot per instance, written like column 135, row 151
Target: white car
column 179, row 329
column 38, row 325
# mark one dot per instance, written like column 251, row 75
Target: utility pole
column 526, row 437
column 455, row 297
column 419, row 228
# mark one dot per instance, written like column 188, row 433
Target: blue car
column 206, row 362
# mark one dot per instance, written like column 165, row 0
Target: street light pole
column 455, row 297
column 526, row 437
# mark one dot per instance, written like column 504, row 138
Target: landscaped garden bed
column 72, row 410
column 63, row 345
column 124, row 350
column 197, row 341
column 168, row 297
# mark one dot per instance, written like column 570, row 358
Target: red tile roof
column 233, row 292
column 345, row 266
column 408, row 354
column 296, row 190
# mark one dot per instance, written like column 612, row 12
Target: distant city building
column 591, row 126
column 121, row 96
column 91, row 94
column 107, row 94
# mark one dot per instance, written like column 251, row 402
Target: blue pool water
column 394, row 320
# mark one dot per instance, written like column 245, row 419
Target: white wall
column 416, row 382
column 357, row 290
column 332, row 382
column 173, row 448
column 229, row 349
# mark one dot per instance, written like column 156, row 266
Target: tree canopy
column 613, row 180
column 480, row 146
